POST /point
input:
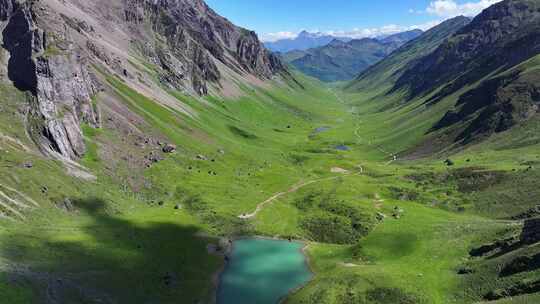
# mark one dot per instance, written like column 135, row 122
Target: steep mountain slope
column 303, row 41
column 484, row 74
column 339, row 61
column 503, row 36
column 388, row 70
column 496, row 54
column 53, row 44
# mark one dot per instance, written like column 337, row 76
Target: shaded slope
column 483, row 75
column 502, row 36
column 497, row 54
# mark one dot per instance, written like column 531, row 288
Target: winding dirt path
column 294, row 188
column 363, row 141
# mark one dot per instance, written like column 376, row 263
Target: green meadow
column 378, row 230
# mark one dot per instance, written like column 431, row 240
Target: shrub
column 329, row 228
column 242, row 133
column 308, row 202
column 384, row 295
column 360, row 221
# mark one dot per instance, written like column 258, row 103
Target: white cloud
column 450, row 8
column 355, row 33
column 417, row 12
column 443, row 9
column 271, row 37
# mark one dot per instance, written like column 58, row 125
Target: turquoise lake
column 262, row 271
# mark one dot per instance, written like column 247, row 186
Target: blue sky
column 274, row 19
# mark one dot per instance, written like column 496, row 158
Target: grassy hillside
column 382, row 224
column 481, row 73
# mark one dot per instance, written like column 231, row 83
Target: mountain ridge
column 341, row 61
column 409, row 52
column 303, row 41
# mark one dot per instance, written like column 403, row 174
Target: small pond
column 321, row 129
column 342, row 148
column 262, row 271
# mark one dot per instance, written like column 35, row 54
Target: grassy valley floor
column 380, row 229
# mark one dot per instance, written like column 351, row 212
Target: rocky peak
column 200, row 39
column 305, row 34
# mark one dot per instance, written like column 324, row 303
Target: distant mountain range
column 343, row 60
column 305, row 40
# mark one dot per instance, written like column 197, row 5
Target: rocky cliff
column 54, row 72
column 197, row 40
column 58, row 51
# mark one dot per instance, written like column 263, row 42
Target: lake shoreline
column 307, row 261
column 217, row 276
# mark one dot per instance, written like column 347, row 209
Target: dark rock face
column 59, row 82
column 6, row 9
column 19, row 39
column 495, row 106
column 521, row 264
column 531, row 231
column 489, row 54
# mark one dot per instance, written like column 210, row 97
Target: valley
column 126, row 168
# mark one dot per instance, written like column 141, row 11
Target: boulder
column 169, row 148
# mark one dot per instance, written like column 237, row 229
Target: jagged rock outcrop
column 6, row 9
column 495, row 106
column 197, row 41
column 46, row 64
